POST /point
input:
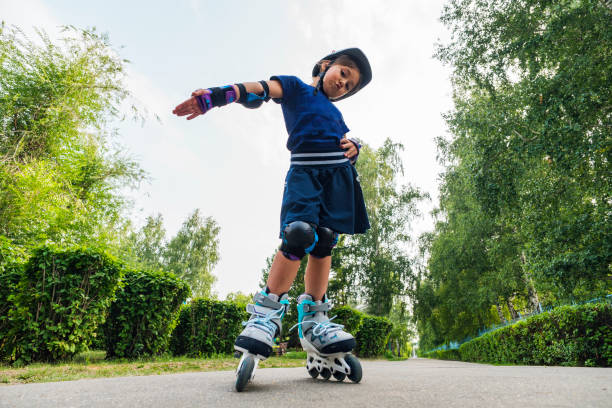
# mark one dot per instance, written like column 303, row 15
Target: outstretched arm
column 192, row 108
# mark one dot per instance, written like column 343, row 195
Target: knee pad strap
column 328, row 239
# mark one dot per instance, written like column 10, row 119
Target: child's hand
column 190, row 106
column 349, row 148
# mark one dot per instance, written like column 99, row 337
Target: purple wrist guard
column 358, row 147
column 204, row 102
column 217, row 97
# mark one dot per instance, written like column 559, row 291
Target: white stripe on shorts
column 317, row 154
column 313, row 163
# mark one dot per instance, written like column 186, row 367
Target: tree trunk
column 513, row 314
column 532, row 294
column 502, row 318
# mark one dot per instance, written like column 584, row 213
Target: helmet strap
column 319, row 85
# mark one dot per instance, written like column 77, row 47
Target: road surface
column 410, row 383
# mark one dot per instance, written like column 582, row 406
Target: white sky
column 231, row 163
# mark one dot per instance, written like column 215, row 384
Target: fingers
column 350, row 148
column 189, row 107
column 183, row 108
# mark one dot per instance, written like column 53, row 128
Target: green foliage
column 525, row 205
column 373, row 335
column 58, row 303
column 10, row 253
column 193, row 253
column 377, row 260
column 143, row 314
column 400, row 339
column 98, row 341
column 239, row 298
column 207, row 327
column 568, row 335
column 145, row 248
column 349, row 317
column 12, row 259
column 60, row 174
column 443, row 355
column 296, row 355
column 371, row 332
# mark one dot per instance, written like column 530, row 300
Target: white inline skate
column 255, row 342
column 328, row 347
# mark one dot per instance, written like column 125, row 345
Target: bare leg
column 317, row 276
column 282, row 274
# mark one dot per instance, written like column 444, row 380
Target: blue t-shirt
column 313, row 122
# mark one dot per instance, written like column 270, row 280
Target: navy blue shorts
column 328, row 195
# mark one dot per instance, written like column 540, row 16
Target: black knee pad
column 328, row 239
column 299, row 238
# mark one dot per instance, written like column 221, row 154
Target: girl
column 322, row 198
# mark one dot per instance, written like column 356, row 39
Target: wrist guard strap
column 217, row 97
column 251, row 100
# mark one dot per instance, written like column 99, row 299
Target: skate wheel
column 325, row 373
column 314, row 373
column 355, row 365
column 339, row 375
column 244, row 372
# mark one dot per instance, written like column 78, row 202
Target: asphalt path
column 410, row 383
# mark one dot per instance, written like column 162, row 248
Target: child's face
column 339, row 80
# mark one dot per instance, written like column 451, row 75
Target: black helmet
column 362, row 63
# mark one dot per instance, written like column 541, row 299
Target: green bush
column 568, row 335
column 371, row 332
column 373, row 335
column 60, row 300
column 207, row 327
column 98, row 341
column 349, row 317
column 143, row 314
column 443, row 354
column 11, row 272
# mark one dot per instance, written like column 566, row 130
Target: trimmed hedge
column 143, row 314
column 11, row 272
column 371, row 332
column 373, row 335
column 568, row 335
column 452, row 354
column 60, row 300
column 207, row 327
column 349, row 317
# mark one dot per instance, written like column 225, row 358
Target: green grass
column 296, row 355
column 92, row 364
